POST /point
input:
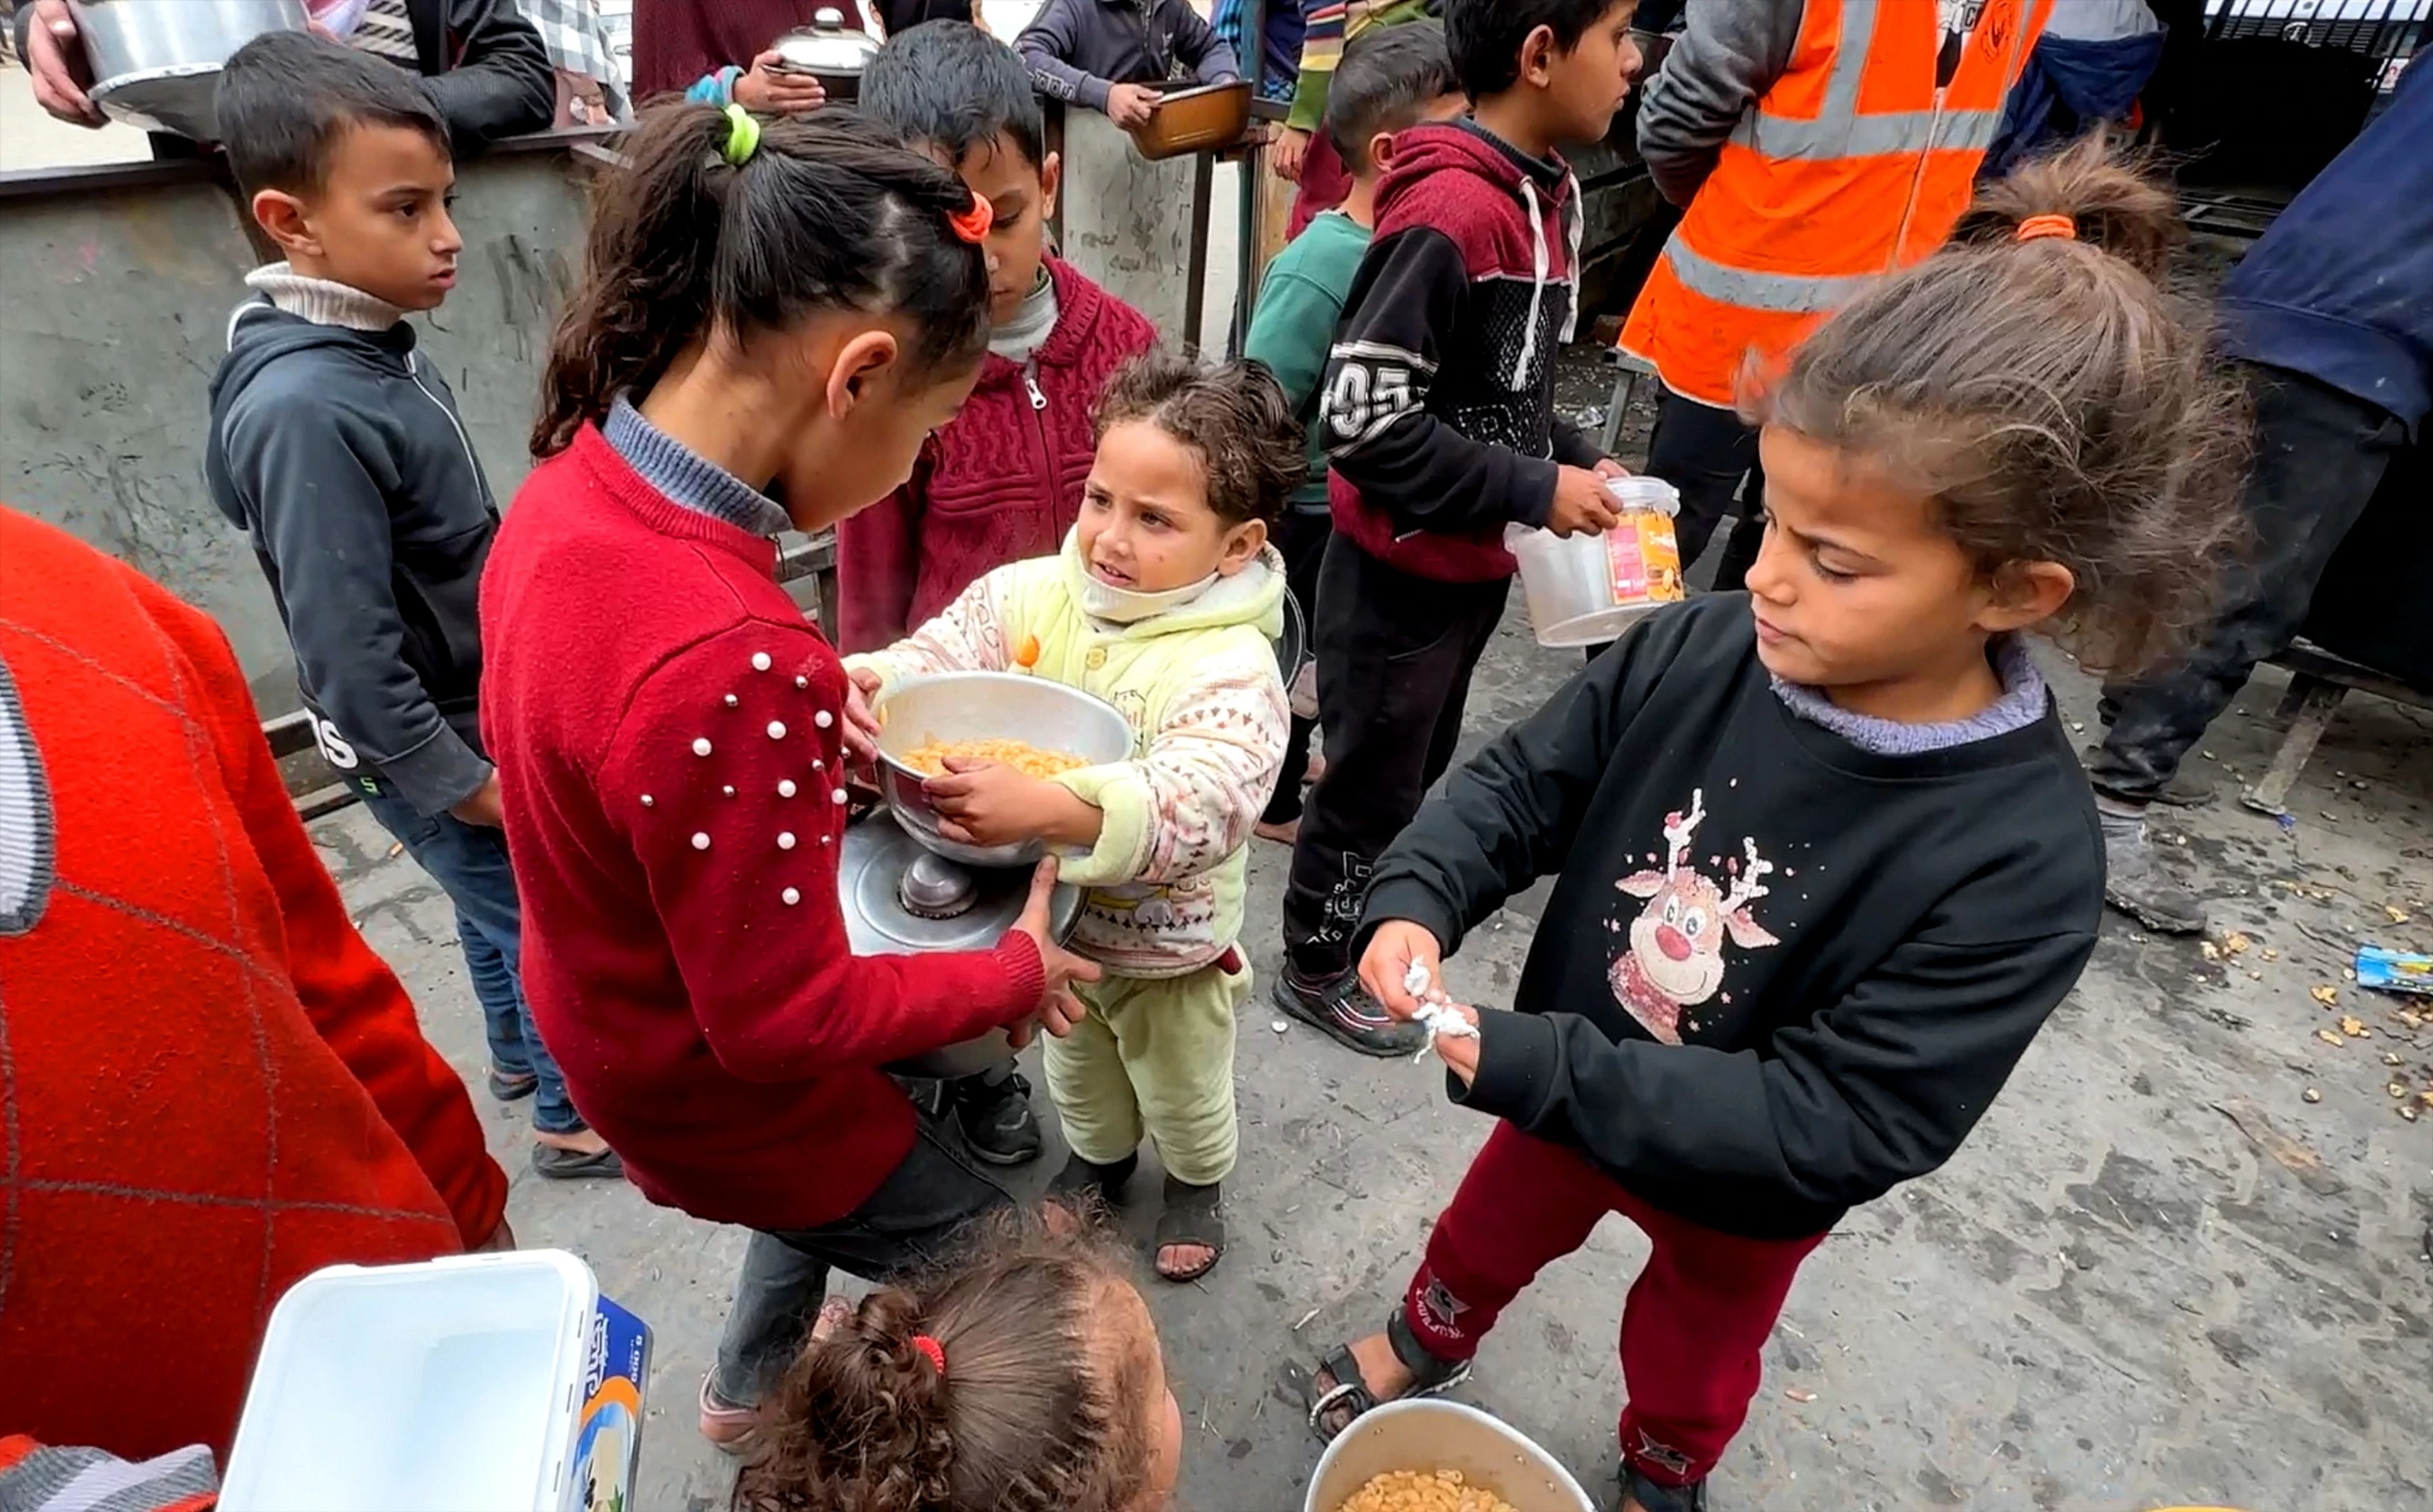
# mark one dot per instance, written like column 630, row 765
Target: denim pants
column 2320, row 455
column 908, row 1224
column 469, row 863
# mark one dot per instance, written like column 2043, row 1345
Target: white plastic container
column 1589, row 590
column 1431, row 1434
column 453, row 1386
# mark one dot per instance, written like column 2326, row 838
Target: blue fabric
column 469, row 863
column 2341, row 287
column 715, row 89
column 1279, row 70
column 2086, row 82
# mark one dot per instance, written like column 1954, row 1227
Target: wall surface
column 114, row 320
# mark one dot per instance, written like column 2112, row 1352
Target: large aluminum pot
column 156, row 62
column 1423, row 1433
column 986, row 706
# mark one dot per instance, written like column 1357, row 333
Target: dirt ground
column 2180, row 1262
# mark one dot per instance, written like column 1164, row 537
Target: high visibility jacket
column 1850, row 164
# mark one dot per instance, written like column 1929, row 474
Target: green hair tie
column 742, row 135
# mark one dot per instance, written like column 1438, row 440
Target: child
column 1825, row 856
column 1027, row 1378
column 1390, row 80
column 1304, row 152
column 779, row 307
column 1108, row 57
column 1440, row 407
column 1002, row 480
column 341, row 454
column 1165, row 602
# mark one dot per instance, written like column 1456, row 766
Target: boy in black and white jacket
column 1438, row 408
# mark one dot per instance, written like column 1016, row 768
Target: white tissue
column 1436, row 1013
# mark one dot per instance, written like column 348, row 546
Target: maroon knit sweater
column 1002, row 483
column 675, row 42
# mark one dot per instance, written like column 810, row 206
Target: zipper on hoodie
column 414, row 375
column 1039, row 437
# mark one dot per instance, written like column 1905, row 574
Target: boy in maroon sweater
column 1437, row 409
column 1004, row 481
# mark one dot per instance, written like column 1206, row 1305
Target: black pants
column 913, row 1218
column 1395, row 653
column 2319, row 454
column 1302, row 537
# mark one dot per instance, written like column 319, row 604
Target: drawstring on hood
column 1543, row 258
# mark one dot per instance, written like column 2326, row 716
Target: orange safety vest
column 1851, row 164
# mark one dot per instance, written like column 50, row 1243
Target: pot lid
column 827, row 45
column 890, row 886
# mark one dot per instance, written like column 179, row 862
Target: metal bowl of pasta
column 1028, row 723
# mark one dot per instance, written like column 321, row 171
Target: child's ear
column 1538, row 56
column 1243, row 544
column 2025, row 594
column 281, row 216
column 860, row 364
column 1051, row 184
column 1381, row 153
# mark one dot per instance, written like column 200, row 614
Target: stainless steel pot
column 829, row 51
column 157, row 63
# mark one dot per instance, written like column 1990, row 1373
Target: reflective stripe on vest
column 1788, row 294
column 1839, row 130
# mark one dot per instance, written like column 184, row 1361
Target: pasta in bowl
column 1036, row 726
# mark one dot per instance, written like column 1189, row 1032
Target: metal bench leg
column 1625, row 388
column 2315, row 699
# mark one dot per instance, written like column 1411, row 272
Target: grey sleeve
column 1045, row 45
column 1212, row 58
column 314, row 478
column 1729, row 53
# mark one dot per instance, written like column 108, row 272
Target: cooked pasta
column 1424, row 1491
column 929, row 758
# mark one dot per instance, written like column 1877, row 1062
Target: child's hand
column 1290, row 151
column 1386, row 965
column 860, row 725
column 1460, row 1052
column 1058, row 1008
column 1581, row 504
column 773, row 89
column 984, row 803
column 1130, row 105
column 1607, row 467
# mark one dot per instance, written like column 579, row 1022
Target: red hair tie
column 923, row 1343
column 973, row 225
column 2036, row 227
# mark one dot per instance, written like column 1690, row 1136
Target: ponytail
column 721, row 227
column 1005, row 1385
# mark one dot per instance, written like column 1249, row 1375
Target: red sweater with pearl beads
column 667, row 730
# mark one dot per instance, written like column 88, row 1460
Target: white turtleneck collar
column 321, row 301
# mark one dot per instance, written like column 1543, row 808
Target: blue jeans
column 469, row 863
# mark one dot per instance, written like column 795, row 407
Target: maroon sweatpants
column 1692, row 1326
column 1324, row 183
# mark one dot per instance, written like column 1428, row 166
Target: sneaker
column 1649, row 1497
column 2137, row 883
column 728, row 1427
column 1344, row 1013
column 998, row 1126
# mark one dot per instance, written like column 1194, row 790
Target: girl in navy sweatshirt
column 1824, row 858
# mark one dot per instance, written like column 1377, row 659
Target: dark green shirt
column 1300, row 305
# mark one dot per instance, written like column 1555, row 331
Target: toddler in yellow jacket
column 1165, row 602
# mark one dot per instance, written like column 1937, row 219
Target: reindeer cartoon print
column 1675, row 960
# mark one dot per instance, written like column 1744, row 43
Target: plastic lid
column 1641, row 492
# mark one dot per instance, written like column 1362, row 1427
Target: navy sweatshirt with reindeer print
column 1782, row 971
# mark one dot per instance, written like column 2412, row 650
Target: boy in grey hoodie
column 341, row 454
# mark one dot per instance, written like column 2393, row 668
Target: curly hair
column 2050, row 397
column 1039, row 1409
column 1234, row 416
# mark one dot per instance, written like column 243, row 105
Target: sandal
column 1654, row 1498
column 1193, row 1216
column 557, row 1165
column 511, row 1086
column 1093, row 1185
column 1430, row 1377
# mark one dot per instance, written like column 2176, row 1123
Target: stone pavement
column 2157, row 1274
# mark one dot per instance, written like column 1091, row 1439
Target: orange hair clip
column 973, row 225
column 2036, row 227
column 923, row 1344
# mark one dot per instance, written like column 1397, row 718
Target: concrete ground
column 2159, row 1274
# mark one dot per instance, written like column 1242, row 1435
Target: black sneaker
column 2139, row 885
column 1654, row 1498
column 1344, row 1013
column 998, row 1126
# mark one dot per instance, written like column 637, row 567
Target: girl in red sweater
column 772, row 309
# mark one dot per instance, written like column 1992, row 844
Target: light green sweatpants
column 1153, row 1057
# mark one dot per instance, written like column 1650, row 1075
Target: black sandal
column 512, row 1087
column 1430, row 1377
column 1193, row 1216
column 1094, row 1185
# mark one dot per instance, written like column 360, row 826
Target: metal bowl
column 1198, row 119
column 986, row 706
column 156, row 63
